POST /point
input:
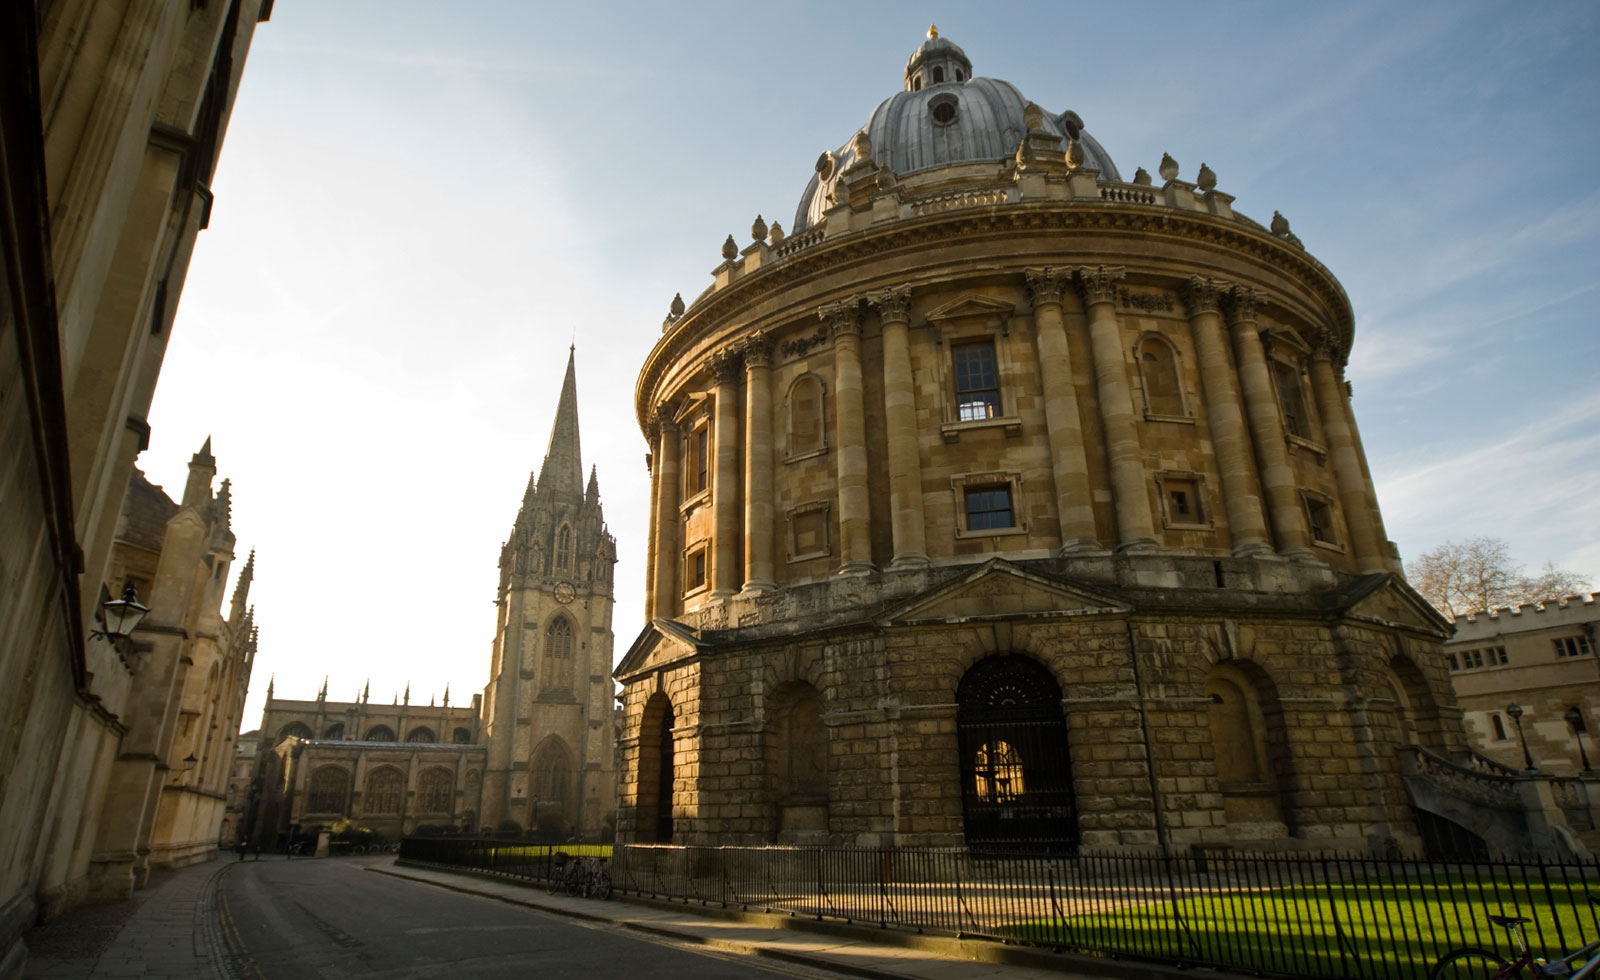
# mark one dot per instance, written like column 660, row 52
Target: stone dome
column 944, row 117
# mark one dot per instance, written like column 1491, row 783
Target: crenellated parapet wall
column 1574, row 610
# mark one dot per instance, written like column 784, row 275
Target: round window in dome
column 825, row 165
column 943, row 110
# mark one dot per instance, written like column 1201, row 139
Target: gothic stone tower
column 548, row 705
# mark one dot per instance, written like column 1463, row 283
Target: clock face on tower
column 564, row 592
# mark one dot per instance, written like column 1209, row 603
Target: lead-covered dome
column 944, row 117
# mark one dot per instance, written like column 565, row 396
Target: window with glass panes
column 977, row 381
column 989, row 508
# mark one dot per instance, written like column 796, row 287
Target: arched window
column 461, row 736
column 330, row 785
column 938, row 75
column 379, row 733
column 335, row 730
column 552, row 772
column 558, row 659
column 564, row 547
column 1248, row 746
column 1016, row 783
column 653, row 802
column 294, row 729
column 421, row 733
column 435, row 790
column 385, row 785
column 1158, row 370
column 807, row 431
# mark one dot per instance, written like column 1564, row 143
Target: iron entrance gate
column 1016, row 775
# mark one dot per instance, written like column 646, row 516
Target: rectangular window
column 977, row 381
column 1450, row 659
column 1320, row 517
column 1499, row 728
column 694, row 569
column 696, row 475
column 1472, row 659
column 1573, row 646
column 810, row 533
column 989, row 508
column 1180, row 496
column 1288, row 381
column 1497, row 655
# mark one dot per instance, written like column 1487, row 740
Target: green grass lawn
column 1386, row 927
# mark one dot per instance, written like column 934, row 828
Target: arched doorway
column 1016, row 774
column 653, row 813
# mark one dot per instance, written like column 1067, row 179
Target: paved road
column 297, row 920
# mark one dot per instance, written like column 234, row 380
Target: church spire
column 592, row 495
column 241, row 589
column 562, row 472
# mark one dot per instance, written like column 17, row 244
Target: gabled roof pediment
column 999, row 589
column 1386, row 598
column 661, row 642
column 972, row 306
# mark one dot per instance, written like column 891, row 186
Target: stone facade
column 188, row 666
column 1015, row 505
column 112, row 115
column 389, row 767
column 1542, row 659
column 548, row 705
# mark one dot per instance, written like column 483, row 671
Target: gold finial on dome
column 933, row 31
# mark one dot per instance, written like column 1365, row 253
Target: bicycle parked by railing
column 1471, row 963
column 580, row 877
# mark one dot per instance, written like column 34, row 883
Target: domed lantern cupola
column 936, row 62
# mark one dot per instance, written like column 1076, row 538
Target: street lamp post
column 1515, row 711
column 120, row 617
column 1574, row 718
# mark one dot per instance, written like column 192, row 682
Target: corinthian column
column 1266, row 427
column 1347, row 473
column 900, row 417
column 665, row 591
column 1241, row 499
column 1063, row 426
column 758, row 507
column 855, row 538
column 1130, row 494
column 727, row 516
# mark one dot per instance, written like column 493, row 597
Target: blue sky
column 416, row 213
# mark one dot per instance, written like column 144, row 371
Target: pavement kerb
column 948, row 948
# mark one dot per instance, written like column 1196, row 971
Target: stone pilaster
column 900, row 416
column 1365, row 547
column 1240, row 495
column 855, row 538
column 1266, row 427
column 759, row 572
column 1129, row 490
column 668, row 551
column 728, row 517
column 1063, row 424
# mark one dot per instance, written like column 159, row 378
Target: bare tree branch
column 1479, row 575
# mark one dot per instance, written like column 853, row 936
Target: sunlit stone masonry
column 1004, row 501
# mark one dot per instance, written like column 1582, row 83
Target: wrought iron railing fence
column 1325, row 917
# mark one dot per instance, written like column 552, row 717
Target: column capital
column 1098, row 284
column 1045, row 286
column 1240, row 304
column 843, row 317
column 726, row 366
column 1324, row 346
column 893, row 304
column 661, row 422
column 1202, row 295
column 756, row 350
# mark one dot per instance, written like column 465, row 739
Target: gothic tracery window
column 564, row 547
column 379, row 733
column 434, row 790
column 558, row 658
column 329, row 787
column 384, row 789
column 421, row 733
